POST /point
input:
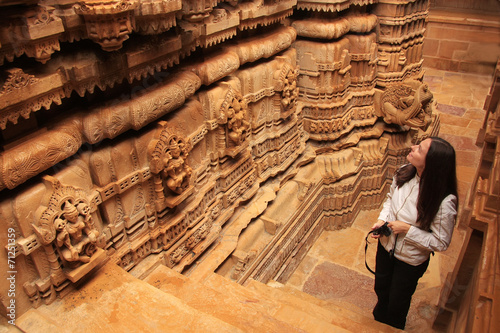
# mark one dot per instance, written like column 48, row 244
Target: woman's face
column 418, row 154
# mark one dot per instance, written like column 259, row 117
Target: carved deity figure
column 76, row 236
column 237, row 123
column 408, row 103
column 175, row 169
column 290, row 91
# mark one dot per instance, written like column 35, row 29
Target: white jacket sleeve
column 439, row 238
column 385, row 213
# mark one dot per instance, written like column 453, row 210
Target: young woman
column 420, row 211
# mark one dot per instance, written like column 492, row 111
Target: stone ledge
column 464, row 18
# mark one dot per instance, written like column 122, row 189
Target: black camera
column 383, row 230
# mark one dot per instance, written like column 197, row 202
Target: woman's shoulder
column 450, row 198
column 449, row 202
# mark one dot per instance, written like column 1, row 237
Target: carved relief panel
column 66, row 225
column 170, row 168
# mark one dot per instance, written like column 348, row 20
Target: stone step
column 8, row 327
column 112, row 300
column 340, row 314
column 282, row 311
column 241, row 307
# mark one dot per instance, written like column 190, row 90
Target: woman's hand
column 377, row 225
column 399, row 227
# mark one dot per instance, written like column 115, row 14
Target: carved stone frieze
column 331, row 6
column 263, row 13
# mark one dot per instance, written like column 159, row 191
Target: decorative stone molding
column 32, row 30
column 154, row 17
column 331, row 6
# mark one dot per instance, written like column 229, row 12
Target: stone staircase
column 113, row 300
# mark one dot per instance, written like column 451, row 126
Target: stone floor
column 334, row 269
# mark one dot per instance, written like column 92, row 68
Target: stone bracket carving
column 108, row 22
column 409, row 103
column 264, row 13
column 156, row 16
column 330, row 6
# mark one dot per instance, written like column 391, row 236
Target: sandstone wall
column 463, row 36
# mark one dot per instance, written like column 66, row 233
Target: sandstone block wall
column 463, row 36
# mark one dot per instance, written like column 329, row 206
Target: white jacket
column 415, row 246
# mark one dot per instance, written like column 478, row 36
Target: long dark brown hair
column 437, row 181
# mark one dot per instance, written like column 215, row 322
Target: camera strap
column 366, row 248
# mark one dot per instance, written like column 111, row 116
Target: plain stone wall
column 462, row 41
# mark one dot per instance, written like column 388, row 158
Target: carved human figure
column 176, row 171
column 62, row 238
column 237, row 124
column 74, row 232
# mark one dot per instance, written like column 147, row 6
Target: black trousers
column 395, row 283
